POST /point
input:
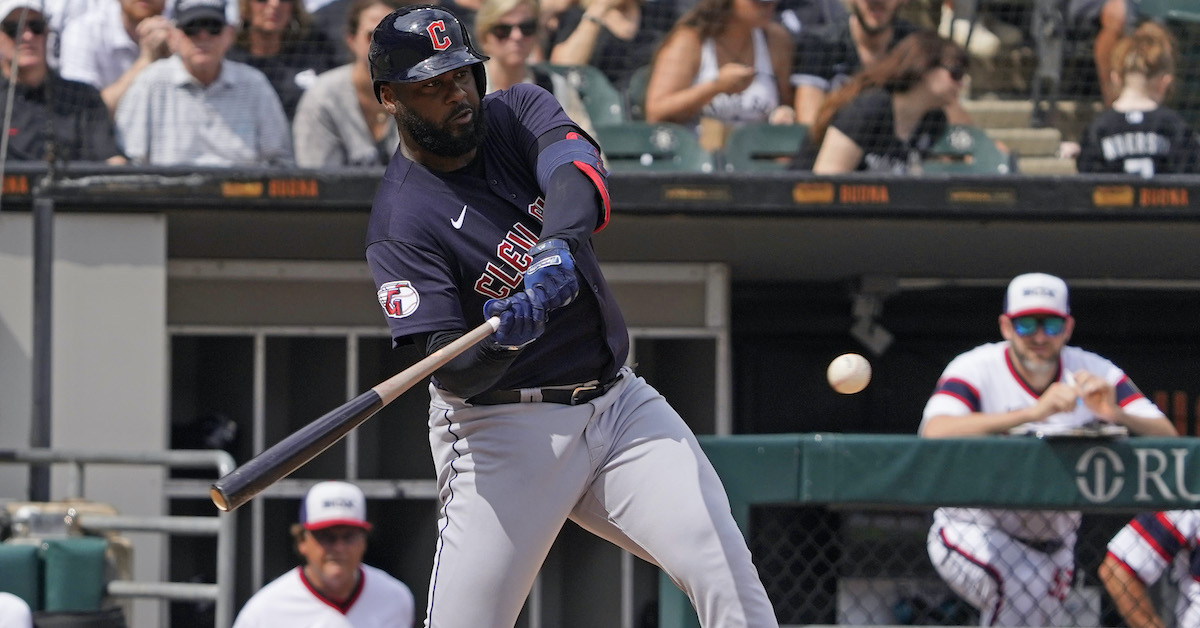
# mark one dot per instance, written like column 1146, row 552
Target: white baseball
column 849, row 373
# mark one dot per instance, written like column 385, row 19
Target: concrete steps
column 1010, row 122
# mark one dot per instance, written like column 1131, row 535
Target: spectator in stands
column 1139, row 555
column 1137, row 134
column 279, row 39
column 829, row 54
column 725, row 63
column 889, row 115
column 1106, row 21
column 51, row 117
column 616, row 36
column 1016, row 567
column 338, row 122
column 108, row 46
column 507, row 31
column 198, row 108
column 332, row 587
column 14, row 612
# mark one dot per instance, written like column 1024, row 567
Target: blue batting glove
column 551, row 273
column 522, row 320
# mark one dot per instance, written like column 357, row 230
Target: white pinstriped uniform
column 1151, row 543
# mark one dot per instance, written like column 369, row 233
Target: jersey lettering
column 437, row 34
column 1135, row 144
column 536, row 208
column 499, row 280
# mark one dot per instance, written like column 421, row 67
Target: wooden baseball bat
column 291, row 453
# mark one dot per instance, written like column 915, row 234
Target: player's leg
column 962, row 556
column 1045, row 581
column 656, row 494
column 507, row 483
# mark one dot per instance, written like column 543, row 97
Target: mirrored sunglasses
column 1026, row 326
column 331, row 536
column 504, row 31
column 212, row 27
column 37, row 27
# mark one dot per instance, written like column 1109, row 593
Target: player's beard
column 437, row 140
column 1035, row 365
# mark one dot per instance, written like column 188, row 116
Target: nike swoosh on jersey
column 457, row 222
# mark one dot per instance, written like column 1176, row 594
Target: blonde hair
column 1149, row 51
column 491, row 11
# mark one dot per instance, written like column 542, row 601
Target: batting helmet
column 416, row 43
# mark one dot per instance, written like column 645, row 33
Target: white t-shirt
column 382, row 602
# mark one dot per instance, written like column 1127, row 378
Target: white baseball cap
column 329, row 504
column 1036, row 293
column 8, row 6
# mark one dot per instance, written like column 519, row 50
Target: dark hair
column 709, row 17
column 1149, row 51
column 359, row 6
column 899, row 71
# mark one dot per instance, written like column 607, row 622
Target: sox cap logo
column 398, row 298
column 329, row 504
column 1037, row 293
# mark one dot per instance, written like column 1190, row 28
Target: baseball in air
column 849, row 373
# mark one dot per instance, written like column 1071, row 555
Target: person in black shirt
column 1137, row 134
column 889, row 115
column 51, row 116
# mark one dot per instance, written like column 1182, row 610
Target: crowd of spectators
column 285, row 82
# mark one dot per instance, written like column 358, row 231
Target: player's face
column 442, row 115
column 1033, row 345
column 332, row 556
column 875, row 16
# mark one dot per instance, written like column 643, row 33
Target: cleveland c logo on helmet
column 437, row 33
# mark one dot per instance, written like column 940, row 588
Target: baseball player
column 333, row 588
column 1140, row 554
column 487, row 209
column 1017, row 567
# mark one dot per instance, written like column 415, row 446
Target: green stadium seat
column 20, row 572
column 763, row 147
column 965, row 149
column 603, row 102
column 652, row 147
column 635, row 93
column 74, row 573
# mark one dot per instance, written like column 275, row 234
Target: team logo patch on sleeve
column 398, row 298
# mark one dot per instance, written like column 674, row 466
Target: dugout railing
column 833, row 516
column 221, row 525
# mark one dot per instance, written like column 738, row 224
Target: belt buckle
column 579, row 390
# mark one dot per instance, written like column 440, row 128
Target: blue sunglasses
column 1026, row 326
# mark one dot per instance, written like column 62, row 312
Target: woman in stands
column 507, row 31
column 279, row 38
column 1137, row 135
column 888, row 116
column 726, row 61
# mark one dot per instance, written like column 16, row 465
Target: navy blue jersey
column 1138, row 142
column 440, row 244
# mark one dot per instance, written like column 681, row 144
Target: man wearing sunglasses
column 332, row 588
column 198, row 108
column 47, row 111
column 1017, row 567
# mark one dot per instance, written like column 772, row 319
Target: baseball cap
column 1036, row 293
column 188, row 11
column 329, row 504
column 8, row 6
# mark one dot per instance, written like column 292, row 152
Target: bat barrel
column 289, row 454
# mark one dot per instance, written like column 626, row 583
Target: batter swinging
column 486, row 209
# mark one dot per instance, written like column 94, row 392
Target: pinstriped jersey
column 1152, row 542
column 440, row 244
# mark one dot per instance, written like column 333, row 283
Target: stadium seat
column 635, row 93
column 967, row 149
column 652, row 147
column 763, row 147
column 603, row 101
column 20, row 572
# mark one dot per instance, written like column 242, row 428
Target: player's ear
column 1068, row 328
column 1006, row 329
column 388, row 98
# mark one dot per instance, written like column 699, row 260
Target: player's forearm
column 975, row 424
column 471, row 372
column 1146, row 426
column 1129, row 595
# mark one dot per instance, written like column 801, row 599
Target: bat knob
column 218, row 499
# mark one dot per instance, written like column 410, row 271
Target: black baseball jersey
column 440, row 244
column 826, row 56
column 1138, row 142
column 869, row 121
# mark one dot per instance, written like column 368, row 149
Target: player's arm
column 1058, row 398
column 1129, row 594
column 1100, row 396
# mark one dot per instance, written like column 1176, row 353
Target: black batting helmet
column 416, row 43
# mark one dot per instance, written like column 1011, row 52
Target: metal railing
column 222, row 526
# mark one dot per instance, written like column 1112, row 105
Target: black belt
column 566, row 396
column 1048, row 546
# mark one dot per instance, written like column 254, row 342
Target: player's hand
column 1059, row 397
column 1098, row 395
column 551, row 273
column 522, row 320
